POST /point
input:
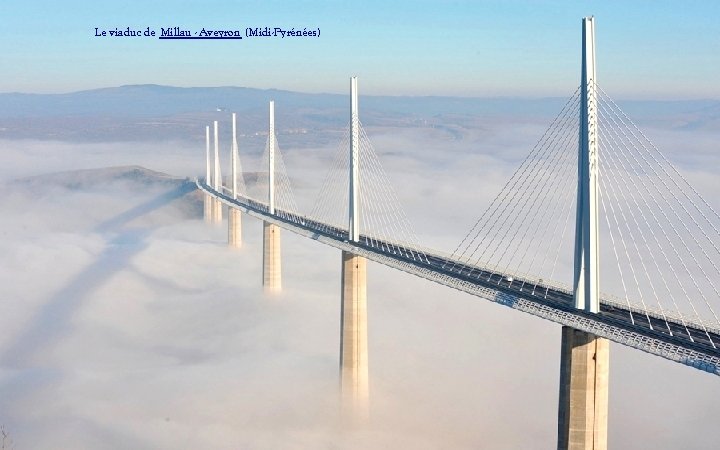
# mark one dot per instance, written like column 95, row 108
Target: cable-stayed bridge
column 657, row 237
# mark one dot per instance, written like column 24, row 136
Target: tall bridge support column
column 354, row 335
column 234, row 228
column 207, row 208
column 217, row 182
column 583, row 405
column 234, row 218
column 217, row 211
column 583, row 408
column 272, row 279
column 272, row 275
column 353, row 320
column 207, row 200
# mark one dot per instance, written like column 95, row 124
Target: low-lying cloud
column 127, row 324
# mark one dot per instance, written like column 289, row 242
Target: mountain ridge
column 161, row 112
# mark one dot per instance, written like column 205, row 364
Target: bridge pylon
column 353, row 316
column 234, row 217
column 272, row 271
column 217, row 180
column 208, row 201
column 583, row 403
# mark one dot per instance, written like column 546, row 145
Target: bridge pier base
column 217, row 209
column 583, row 406
column 272, row 279
column 354, row 336
column 234, row 228
column 207, row 208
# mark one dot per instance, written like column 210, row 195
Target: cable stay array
column 227, row 181
column 330, row 208
column 240, row 180
column 660, row 240
column 665, row 237
column 383, row 223
column 285, row 204
column 526, row 233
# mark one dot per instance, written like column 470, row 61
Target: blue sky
column 646, row 49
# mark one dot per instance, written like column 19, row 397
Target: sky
column 646, row 49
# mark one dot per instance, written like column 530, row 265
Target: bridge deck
column 671, row 338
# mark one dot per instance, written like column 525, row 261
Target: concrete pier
column 354, row 335
column 207, row 200
column 583, row 405
column 234, row 220
column 272, row 274
column 217, row 180
column 234, row 228
column 583, row 408
column 217, row 211
column 207, row 208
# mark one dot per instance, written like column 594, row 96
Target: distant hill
column 180, row 193
column 149, row 100
column 153, row 112
column 93, row 178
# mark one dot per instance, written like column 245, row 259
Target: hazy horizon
column 657, row 97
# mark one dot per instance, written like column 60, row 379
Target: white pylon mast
column 207, row 155
column 216, row 181
column 234, row 156
column 271, row 159
column 354, row 224
column 587, row 259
